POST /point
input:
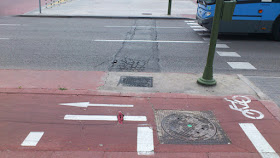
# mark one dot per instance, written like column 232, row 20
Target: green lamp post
column 224, row 10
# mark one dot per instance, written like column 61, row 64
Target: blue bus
column 250, row 16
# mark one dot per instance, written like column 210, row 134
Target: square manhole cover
column 136, row 81
column 189, row 127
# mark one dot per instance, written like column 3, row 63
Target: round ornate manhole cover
column 188, row 127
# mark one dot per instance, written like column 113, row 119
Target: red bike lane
column 16, row 7
column 88, row 129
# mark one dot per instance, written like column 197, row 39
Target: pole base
column 206, row 82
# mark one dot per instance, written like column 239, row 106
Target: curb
column 272, row 108
column 106, row 17
column 259, row 93
column 109, row 93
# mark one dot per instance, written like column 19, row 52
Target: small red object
column 120, row 117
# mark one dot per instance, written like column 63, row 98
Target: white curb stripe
column 32, row 139
column 198, row 26
column 206, row 38
column 222, row 46
column 241, row 65
column 150, row 41
column 228, row 54
column 145, row 141
column 263, row 147
column 200, row 29
column 193, row 24
column 103, row 118
column 204, row 34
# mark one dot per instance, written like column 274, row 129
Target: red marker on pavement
column 120, row 117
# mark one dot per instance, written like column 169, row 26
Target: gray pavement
column 70, row 44
column 268, row 85
column 125, row 45
column 119, row 8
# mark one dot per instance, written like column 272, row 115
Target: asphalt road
column 82, row 44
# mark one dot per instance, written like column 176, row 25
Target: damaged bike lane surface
column 48, row 125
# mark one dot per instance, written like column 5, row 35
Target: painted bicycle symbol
column 240, row 103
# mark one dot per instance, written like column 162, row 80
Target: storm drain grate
column 189, row 127
column 136, row 81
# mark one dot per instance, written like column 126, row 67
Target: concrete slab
column 120, row 8
column 180, row 83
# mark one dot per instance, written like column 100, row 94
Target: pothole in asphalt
column 136, row 81
column 128, row 64
column 189, row 127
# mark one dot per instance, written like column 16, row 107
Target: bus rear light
column 263, row 28
column 260, row 11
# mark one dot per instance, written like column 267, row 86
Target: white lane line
column 135, row 118
column 145, row 141
column 241, row 65
column 32, row 139
column 204, row 34
column 4, row 38
column 200, row 29
column 196, row 24
column 103, row 118
column 86, row 104
column 228, row 54
column 197, row 27
column 263, row 147
column 10, row 24
column 222, row 46
column 190, row 21
column 145, row 27
column 150, row 41
column 206, row 38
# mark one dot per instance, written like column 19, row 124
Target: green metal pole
column 169, row 7
column 207, row 78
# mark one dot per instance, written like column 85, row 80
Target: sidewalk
column 121, row 8
column 75, row 114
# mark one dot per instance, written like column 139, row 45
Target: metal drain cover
column 189, row 127
column 136, row 81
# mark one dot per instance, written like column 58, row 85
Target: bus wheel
column 276, row 30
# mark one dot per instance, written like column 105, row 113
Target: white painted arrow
column 86, row 104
